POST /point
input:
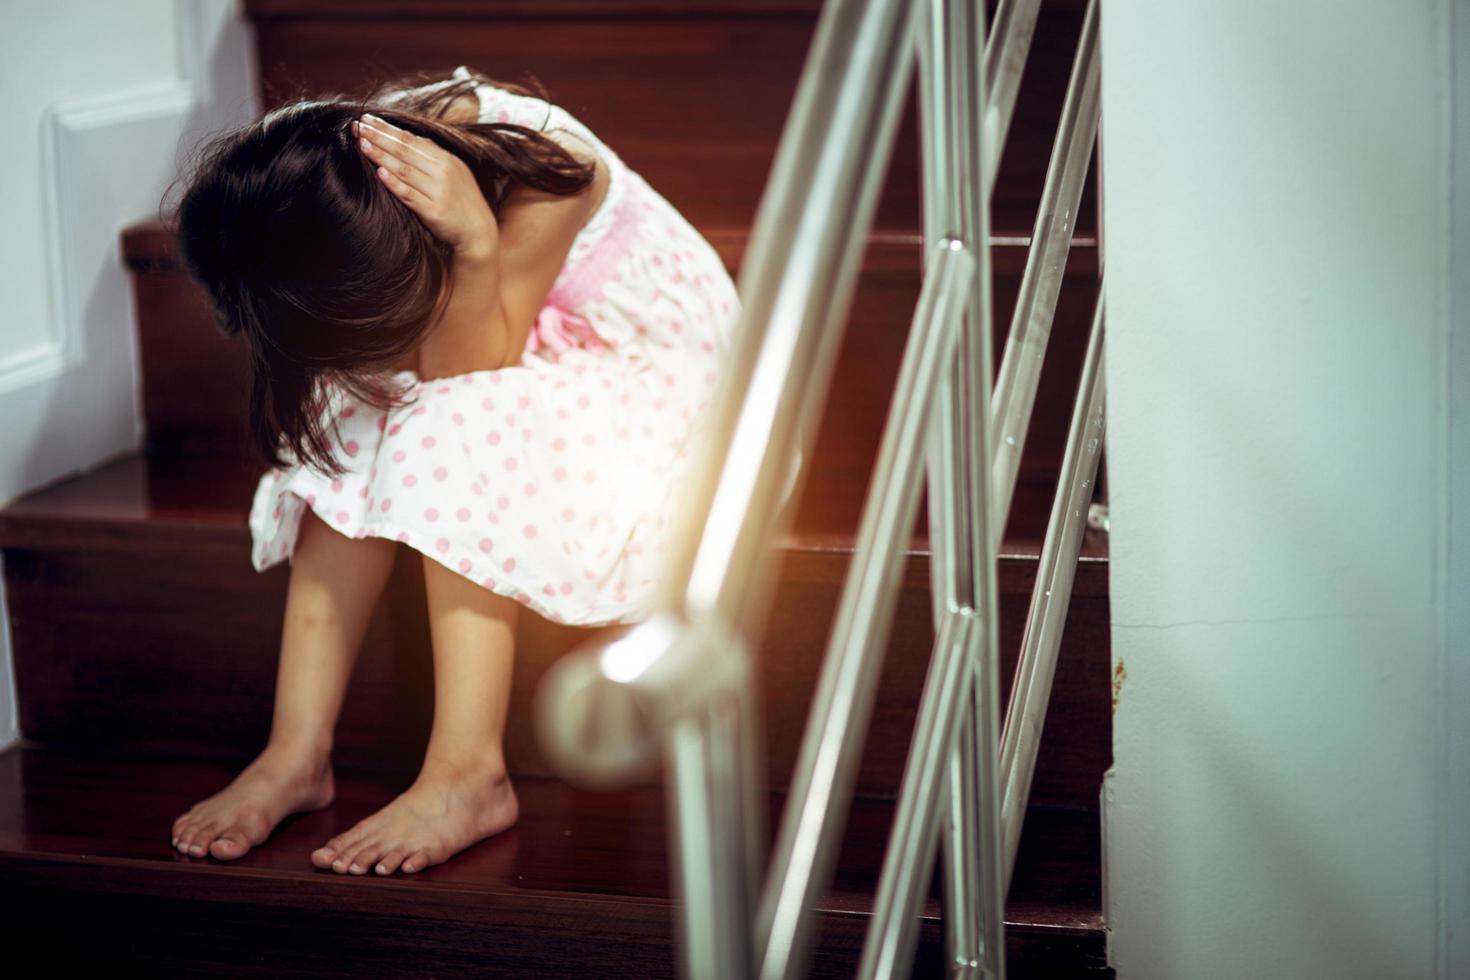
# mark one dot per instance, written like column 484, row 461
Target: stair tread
column 66, row 805
column 179, row 498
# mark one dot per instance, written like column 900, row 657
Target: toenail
column 382, row 869
column 356, row 868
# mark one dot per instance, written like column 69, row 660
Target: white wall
column 1277, row 192
column 1454, row 818
column 99, row 99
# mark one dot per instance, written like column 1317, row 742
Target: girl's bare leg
column 335, row 583
column 463, row 793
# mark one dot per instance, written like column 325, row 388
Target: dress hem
column 630, row 612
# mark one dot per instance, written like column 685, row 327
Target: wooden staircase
column 145, row 643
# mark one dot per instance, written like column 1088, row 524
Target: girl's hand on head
column 435, row 184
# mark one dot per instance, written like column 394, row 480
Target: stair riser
column 195, row 386
column 175, row 652
column 695, row 104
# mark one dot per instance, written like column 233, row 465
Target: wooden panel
column 195, row 380
column 138, row 622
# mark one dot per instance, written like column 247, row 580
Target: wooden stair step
column 184, row 501
column 579, row 886
column 138, row 622
column 692, row 94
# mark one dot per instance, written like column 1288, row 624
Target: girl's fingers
column 414, row 151
column 403, row 173
column 406, row 160
column 434, row 183
column 405, row 192
column 415, row 200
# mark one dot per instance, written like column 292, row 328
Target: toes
column 361, row 859
column 204, row 840
column 342, row 858
column 324, row 856
column 389, row 862
column 417, row 861
column 200, row 838
column 230, row 844
column 181, row 823
column 345, row 846
column 185, row 829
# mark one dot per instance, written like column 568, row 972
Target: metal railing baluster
column 959, row 473
column 1051, row 596
column 1046, row 264
column 1005, row 62
column 888, row 949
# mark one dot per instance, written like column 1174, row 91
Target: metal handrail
column 682, row 683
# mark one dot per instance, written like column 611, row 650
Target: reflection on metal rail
column 681, row 685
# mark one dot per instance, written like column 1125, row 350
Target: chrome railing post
column 960, row 844
column 962, row 540
column 975, row 539
column 708, row 877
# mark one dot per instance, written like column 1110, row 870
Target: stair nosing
column 129, row 867
column 21, row 527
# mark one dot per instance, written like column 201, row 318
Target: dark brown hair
column 326, row 274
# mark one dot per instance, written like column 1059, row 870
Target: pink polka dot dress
column 554, row 481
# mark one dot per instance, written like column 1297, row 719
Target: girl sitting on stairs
column 474, row 331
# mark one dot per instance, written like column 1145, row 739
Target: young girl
column 473, row 330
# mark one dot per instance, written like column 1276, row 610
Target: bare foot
column 229, row 823
column 447, row 809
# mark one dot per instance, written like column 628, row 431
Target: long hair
column 326, row 274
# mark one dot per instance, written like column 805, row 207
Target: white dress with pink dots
column 554, row 481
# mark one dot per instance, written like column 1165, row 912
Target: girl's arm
column 501, row 284
column 517, row 265
column 536, row 234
